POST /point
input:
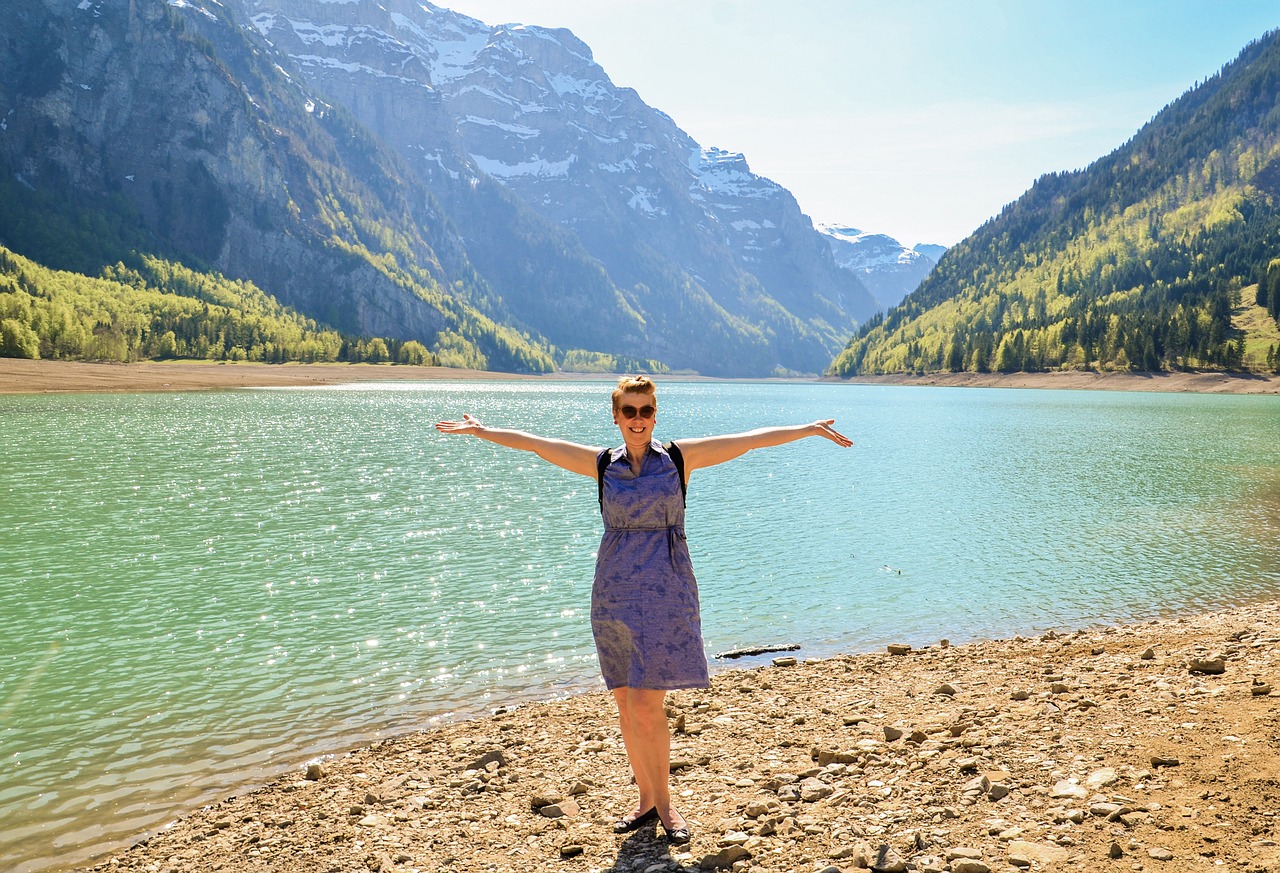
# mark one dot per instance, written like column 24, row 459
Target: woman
column 644, row 602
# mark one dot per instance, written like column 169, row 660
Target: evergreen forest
column 1159, row 256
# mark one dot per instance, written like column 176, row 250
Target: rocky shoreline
column 18, row 376
column 1142, row 747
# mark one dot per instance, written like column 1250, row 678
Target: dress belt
column 675, row 533
column 679, row 528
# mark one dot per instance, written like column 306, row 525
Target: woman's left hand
column 469, row 425
column 824, row 429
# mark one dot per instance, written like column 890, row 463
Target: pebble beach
column 1139, row 747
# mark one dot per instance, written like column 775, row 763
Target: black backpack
column 602, row 464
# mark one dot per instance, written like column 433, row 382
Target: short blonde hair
column 634, row 385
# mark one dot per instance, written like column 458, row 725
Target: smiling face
column 635, row 413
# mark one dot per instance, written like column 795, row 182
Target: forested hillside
column 163, row 310
column 1139, row 261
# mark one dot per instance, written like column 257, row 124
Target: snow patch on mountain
column 540, row 168
column 519, row 130
column 455, row 52
column 332, row 35
column 564, row 84
column 642, row 200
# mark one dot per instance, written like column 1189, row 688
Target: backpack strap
column 602, row 464
column 605, row 456
column 678, row 457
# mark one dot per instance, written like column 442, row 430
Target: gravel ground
column 1146, row 747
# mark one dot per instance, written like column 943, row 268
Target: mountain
column 389, row 170
column 1155, row 256
column 719, row 267
column 889, row 270
column 141, row 130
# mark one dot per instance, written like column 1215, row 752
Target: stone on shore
column 1068, row 789
column 725, row 858
column 1209, row 666
column 1026, row 854
column 1101, row 778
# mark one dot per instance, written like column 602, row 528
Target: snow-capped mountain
column 687, row 234
column 888, row 269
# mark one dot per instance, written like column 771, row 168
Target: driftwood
column 761, row 650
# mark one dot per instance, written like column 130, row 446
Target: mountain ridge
column 1135, row 262
column 888, row 269
column 678, row 227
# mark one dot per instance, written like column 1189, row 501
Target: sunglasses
column 645, row 411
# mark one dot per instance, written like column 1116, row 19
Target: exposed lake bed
column 1151, row 746
column 22, row 376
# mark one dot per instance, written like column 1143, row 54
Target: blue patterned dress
column 644, row 603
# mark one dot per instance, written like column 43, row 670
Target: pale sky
column 916, row 118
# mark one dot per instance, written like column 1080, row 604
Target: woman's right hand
column 571, row 456
column 469, row 425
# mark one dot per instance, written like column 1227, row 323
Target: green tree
column 376, row 352
column 415, row 354
column 17, row 340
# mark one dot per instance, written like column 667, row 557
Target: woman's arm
column 709, row 451
column 573, row 457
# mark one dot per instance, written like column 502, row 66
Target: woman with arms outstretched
column 644, row 602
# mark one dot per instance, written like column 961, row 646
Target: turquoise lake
column 199, row 591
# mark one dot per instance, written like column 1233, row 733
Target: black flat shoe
column 677, row 836
column 627, row 825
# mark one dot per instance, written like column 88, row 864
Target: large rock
column 724, row 858
column 1068, row 789
column 1101, row 778
column 1026, row 854
column 814, row 789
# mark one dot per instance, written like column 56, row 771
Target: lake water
column 199, row 590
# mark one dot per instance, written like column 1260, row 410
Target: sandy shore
column 1145, row 747
column 37, row 377
column 19, row 376
column 1207, row 383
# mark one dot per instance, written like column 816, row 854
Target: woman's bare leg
column 643, row 720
